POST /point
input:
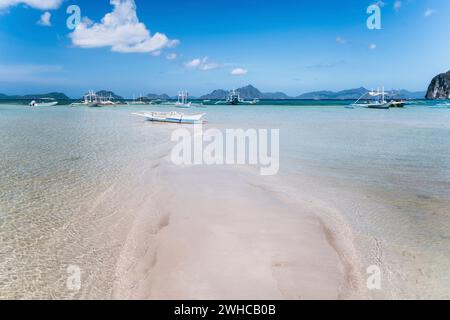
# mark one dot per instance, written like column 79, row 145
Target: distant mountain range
column 344, row 94
column 54, row 95
column 352, row 94
column 248, row 92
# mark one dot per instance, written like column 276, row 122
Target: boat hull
column 183, row 105
column 99, row 105
column 89, row 105
column 173, row 117
column 48, row 104
column 379, row 106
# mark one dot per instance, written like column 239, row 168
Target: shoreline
column 259, row 246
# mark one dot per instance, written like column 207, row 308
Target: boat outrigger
column 172, row 117
column 44, row 102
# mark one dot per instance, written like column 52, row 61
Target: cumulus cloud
column 372, row 46
column 122, row 31
column 429, row 13
column 37, row 4
column 45, row 19
column 239, row 72
column 201, row 64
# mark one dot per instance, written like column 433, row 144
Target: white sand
column 211, row 233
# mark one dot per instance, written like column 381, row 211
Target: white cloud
column 201, row 64
column 239, row 72
column 36, row 4
column 372, row 46
column 45, row 19
column 120, row 30
column 429, row 13
column 397, row 5
column 171, row 56
column 340, row 40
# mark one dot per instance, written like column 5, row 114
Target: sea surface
column 70, row 178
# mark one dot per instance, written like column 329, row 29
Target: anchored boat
column 183, row 97
column 89, row 100
column 44, row 102
column 379, row 103
column 235, row 99
column 172, row 117
column 105, row 102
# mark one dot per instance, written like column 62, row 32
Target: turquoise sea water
column 67, row 174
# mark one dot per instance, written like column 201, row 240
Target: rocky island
column 439, row 87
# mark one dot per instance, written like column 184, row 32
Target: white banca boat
column 43, row 102
column 105, row 102
column 182, row 102
column 90, row 99
column 172, row 117
column 234, row 99
column 378, row 100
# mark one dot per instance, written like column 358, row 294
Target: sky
column 137, row 47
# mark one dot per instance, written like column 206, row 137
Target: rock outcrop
column 439, row 87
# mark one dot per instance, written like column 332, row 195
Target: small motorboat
column 44, row 102
column 172, row 117
column 398, row 104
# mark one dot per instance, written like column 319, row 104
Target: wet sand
column 219, row 235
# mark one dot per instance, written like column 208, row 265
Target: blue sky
column 292, row 46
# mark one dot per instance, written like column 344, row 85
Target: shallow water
column 70, row 178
